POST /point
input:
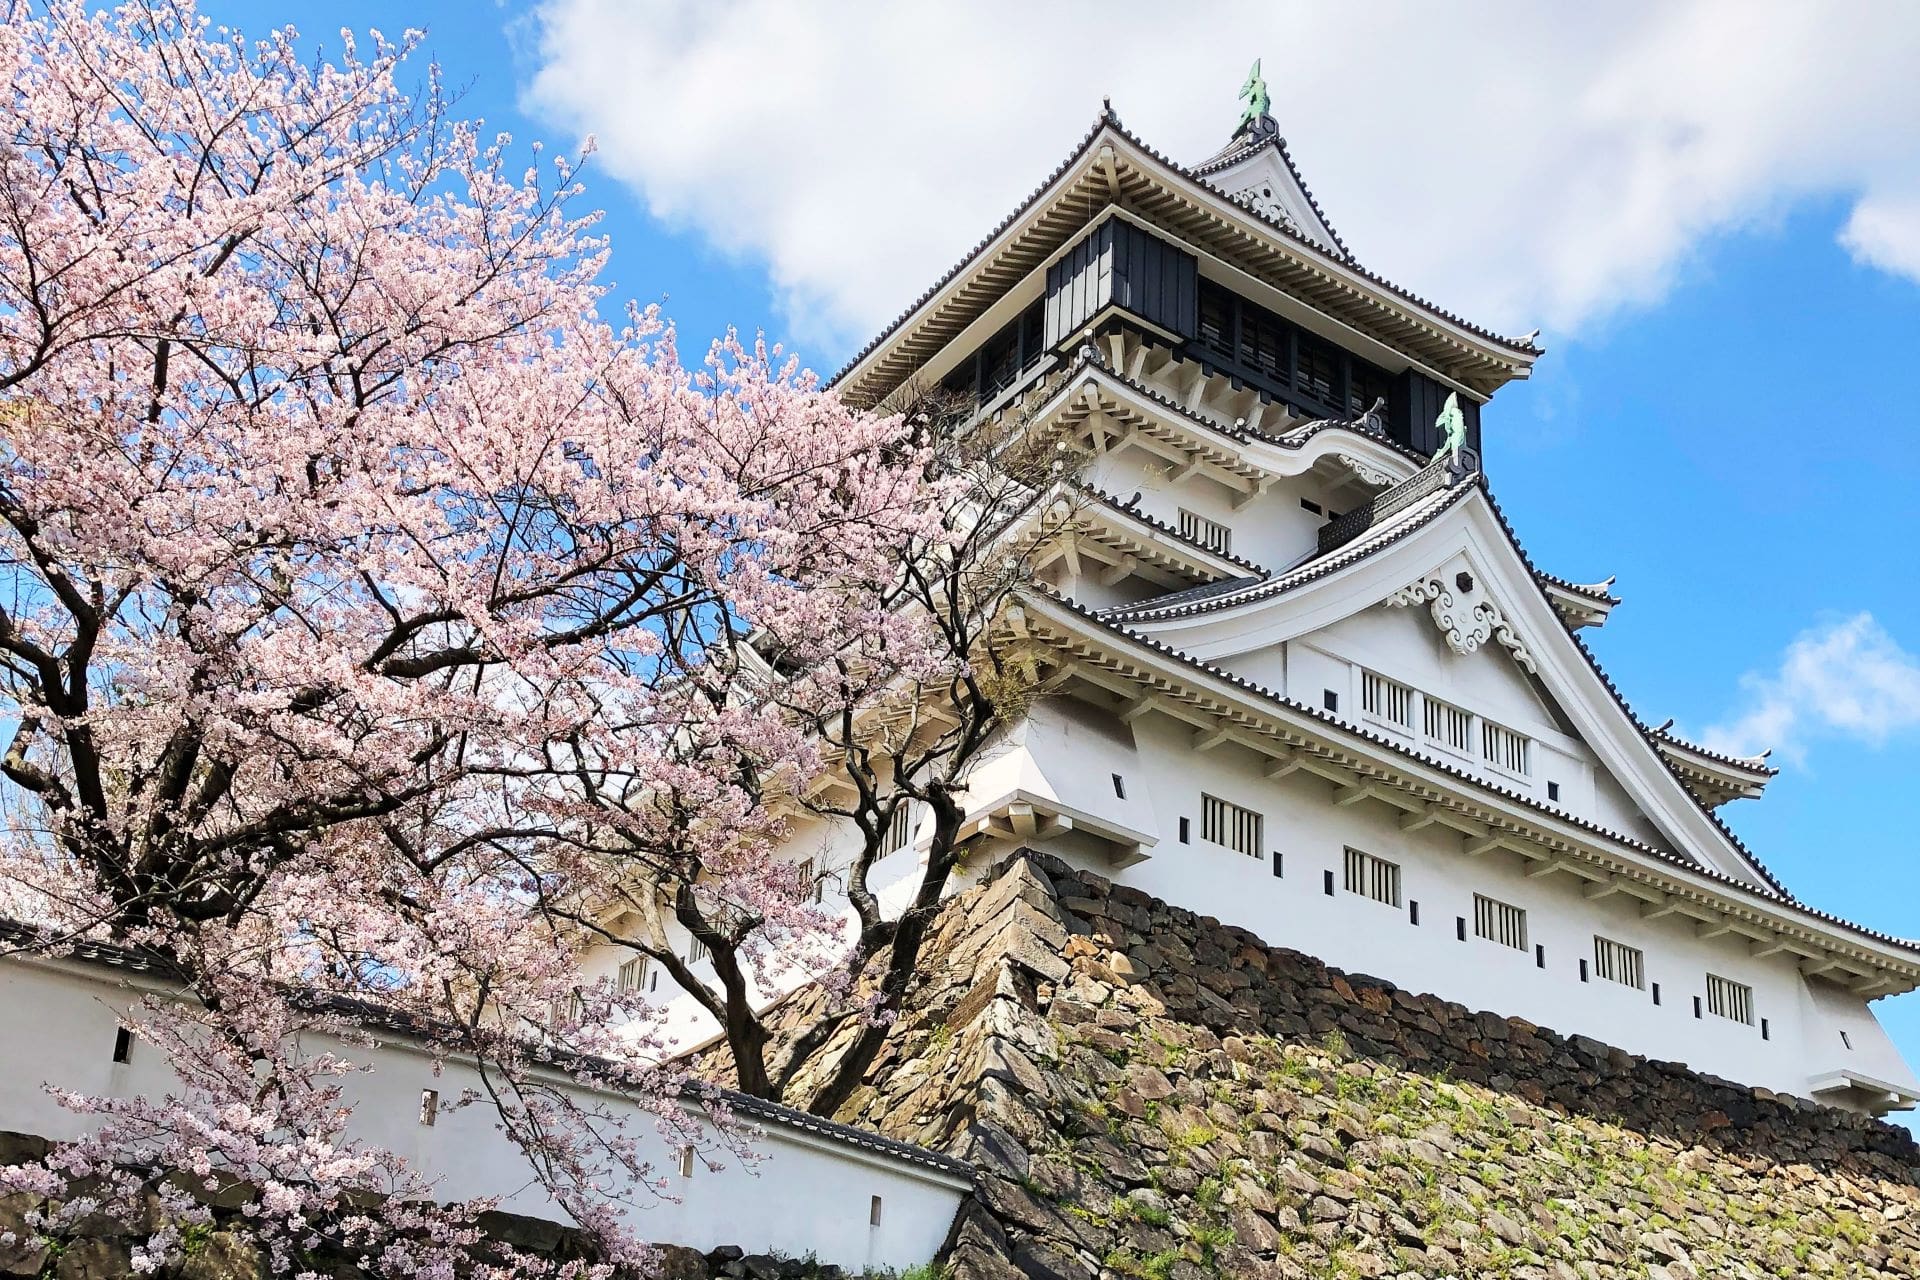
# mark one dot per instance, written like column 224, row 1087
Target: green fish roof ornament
column 1255, row 92
column 1452, row 425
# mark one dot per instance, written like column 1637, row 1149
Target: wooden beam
column 1208, row 739
column 1547, row 867
column 1140, row 708
column 1421, row 818
column 1602, row 888
column 1668, row 906
column 1255, row 489
column 1348, row 796
column 1714, row 928
column 1283, row 765
column 1122, row 569
column 1474, row 848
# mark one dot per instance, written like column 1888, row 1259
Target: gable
column 1266, row 183
column 1459, row 575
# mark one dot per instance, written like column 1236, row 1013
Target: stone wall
column 1149, row 1094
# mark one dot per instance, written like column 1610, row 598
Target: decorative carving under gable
column 1467, row 619
column 1364, row 472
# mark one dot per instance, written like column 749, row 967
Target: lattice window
column 1729, row 999
column 633, row 974
column 1372, row 877
column 1236, row 827
column 1446, row 725
column 1505, row 750
column 1385, row 699
column 899, row 829
column 1618, row 962
column 1210, row 534
column 696, row 951
column 1500, row 922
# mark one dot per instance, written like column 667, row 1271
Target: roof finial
column 1255, row 92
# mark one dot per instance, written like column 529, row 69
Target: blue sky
column 1724, row 419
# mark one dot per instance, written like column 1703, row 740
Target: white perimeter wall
column 806, row 1195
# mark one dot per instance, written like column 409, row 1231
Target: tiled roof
column 25, row 937
column 1627, row 710
column 1167, row 651
column 1293, row 438
column 1416, row 517
column 1752, row 764
column 1599, row 592
column 1166, row 530
column 1108, row 119
column 1381, row 536
column 1237, row 150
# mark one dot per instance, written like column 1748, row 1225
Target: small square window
column 1119, row 787
column 1279, row 865
column 1330, row 700
column 1329, row 883
column 1186, row 831
column 123, row 1044
column 1553, row 791
column 1413, row 911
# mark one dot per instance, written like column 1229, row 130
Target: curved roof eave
column 1493, row 358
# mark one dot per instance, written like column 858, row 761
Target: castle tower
column 1308, row 681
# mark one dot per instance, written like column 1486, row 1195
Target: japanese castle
column 1305, row 677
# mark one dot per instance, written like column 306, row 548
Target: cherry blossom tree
column 347, row 554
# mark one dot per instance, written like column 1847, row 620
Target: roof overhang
column 1714, row 777
column 1144, row 676
column 1113, row 168
column 1862, row 1092
column 1577, row 604
column 1106, row 409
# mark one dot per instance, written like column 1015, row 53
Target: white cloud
column 1847, row 678
column 1524, row 164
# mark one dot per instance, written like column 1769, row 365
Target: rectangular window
column 1729, row 999
column 686, row 1161
column 429, row 1107
column 1500, row 922
column 1372, row 877
column 1384, row 699
column 1279, row 864
column 1186, row 831
column 812, row 881
column 1223, row 822
column 1330, row 700
column 1618, row 962
column 1447, row 725
column 1504, row 749
column 1210, row 534
column 696, row 951
column 633, row 974
column 899, row 829
column 123, row 1044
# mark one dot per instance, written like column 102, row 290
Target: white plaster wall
column 805, row 1195
column 1272, row 530
column 1359, row 935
